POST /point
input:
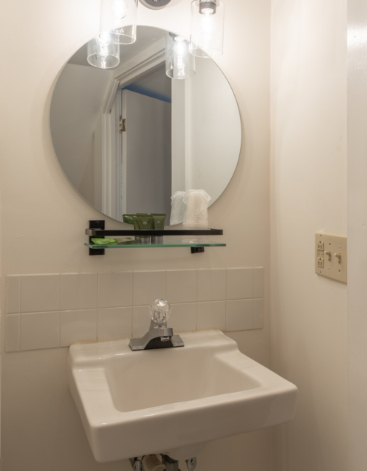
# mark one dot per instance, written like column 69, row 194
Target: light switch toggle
column 328, row 253
column 338, row 256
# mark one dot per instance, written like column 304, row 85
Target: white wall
column 1, row 312
column 357, row 240
column 2, row 121
column 44, row 219
column 308, row 194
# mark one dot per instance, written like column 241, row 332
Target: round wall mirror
column 130, row 137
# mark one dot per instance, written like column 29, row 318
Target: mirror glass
column 130, row 137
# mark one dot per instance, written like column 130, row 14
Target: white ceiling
column 157, row 83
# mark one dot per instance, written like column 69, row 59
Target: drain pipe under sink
column 153, row 463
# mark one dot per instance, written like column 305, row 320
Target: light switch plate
column 331, row 256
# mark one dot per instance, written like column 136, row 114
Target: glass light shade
column 103, row 54
column 180, row 64
column 118, row 20
column 207, row 28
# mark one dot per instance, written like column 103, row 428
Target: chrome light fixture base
column 155, row 4
column 208, row 7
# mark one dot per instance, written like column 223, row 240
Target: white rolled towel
column 196, row 215
column 178, row 208
column 152, row 463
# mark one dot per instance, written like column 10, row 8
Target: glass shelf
column 195, row 239
column 167, row 243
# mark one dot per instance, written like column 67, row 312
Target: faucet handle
column 160, row 311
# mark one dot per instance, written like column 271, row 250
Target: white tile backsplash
column 115, row 289
column 211, row 315
column 12, row 332
column 183, row 317
column 79, row 291
column 39, row 330
column 78, row 326
column 141, row 320
column 13, row 294
column 40, row 293
column 115, row 323
column 239, row 315
column 240, row 283
column 212, row 284
column 258, row 313
column 58, row 310
column 258, row 282
column 149, row 286
column 181, row 286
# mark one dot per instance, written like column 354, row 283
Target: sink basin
column 172, row 401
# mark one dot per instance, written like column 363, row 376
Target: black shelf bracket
column 197, row 249
column 98, row 225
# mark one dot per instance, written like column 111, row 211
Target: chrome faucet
column 158, row 335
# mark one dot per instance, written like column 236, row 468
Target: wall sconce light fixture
column 155, row 4
column 119, row 18
column 118, row 26
column 180, row 64
column 102, row 53
column 207, row 28
column 118, row 21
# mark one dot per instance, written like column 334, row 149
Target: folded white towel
column 178, row 208
column 196, row 215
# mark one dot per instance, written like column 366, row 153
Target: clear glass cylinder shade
column 180, row 64
column 207, row 28
column 118, row 20
column 103, row 54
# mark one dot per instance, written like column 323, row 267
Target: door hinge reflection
column 122, row 125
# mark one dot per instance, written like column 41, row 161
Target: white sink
column 172, row 401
